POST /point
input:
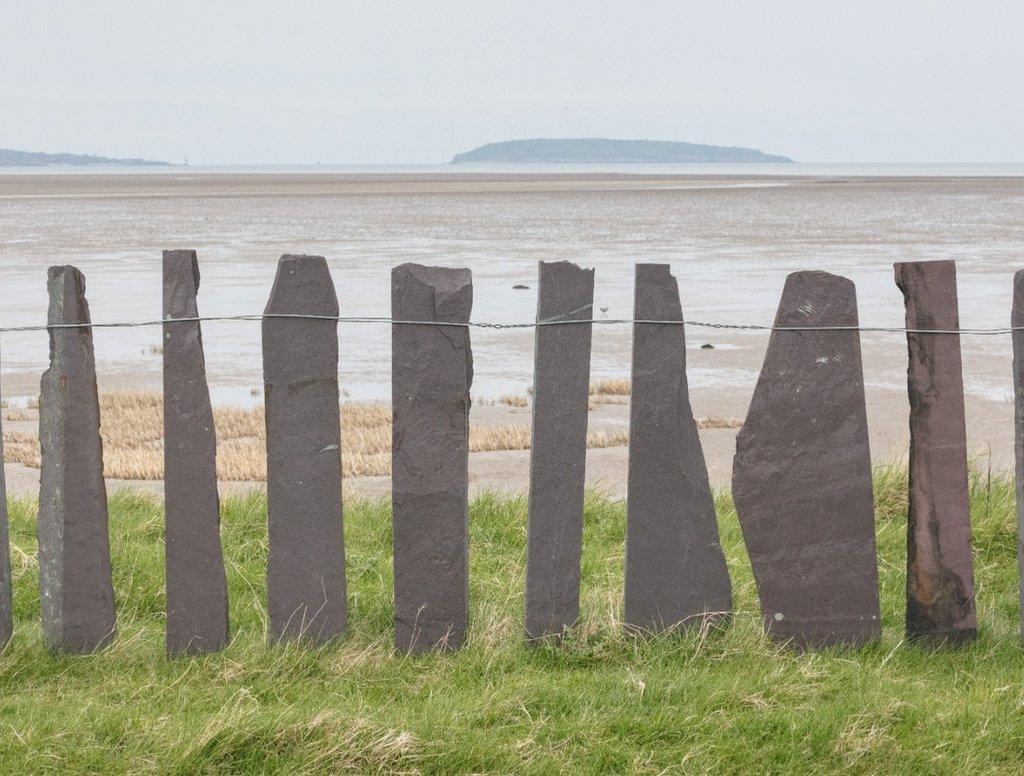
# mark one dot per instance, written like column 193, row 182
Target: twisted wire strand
column 561, row 320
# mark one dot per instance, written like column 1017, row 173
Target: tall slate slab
column 75, row 586
column 1017, row 322
column 431, row 374
column 802, row 474
column 675, row 569
column 197, row 596
column 561, row 384
column 6, row 616
column 940, row 573
column 306, row 564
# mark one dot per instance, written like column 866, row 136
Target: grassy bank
column 602, row 702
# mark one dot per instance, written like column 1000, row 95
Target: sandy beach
column 731, row 241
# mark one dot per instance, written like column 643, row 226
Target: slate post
column 306, row 564
column 675, row 569
column 802, row 474
column 561, row 386
column 431, row 374
column 940, row 573
column 6, row 616
column 197, row 596
column 75, row 586
column 1017, row 322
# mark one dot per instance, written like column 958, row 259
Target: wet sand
column 731, row 240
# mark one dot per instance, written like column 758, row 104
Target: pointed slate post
column 431, row 374
column 6, row 617
column 561, row 384
column 675, row 569
column 802, row 474
column 306, row 564
column 940, row 572
column 75, row 586
column 1017, row 322
column 197, row 596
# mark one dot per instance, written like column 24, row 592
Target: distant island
column 593, row 150
column 12, row 158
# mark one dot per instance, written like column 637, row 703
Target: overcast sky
column 350, row 82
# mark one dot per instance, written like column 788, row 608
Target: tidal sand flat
column 731, row 241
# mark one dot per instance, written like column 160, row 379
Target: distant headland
column 12, row 158
column 593, row 150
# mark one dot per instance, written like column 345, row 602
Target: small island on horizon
column 11, row 158
column 603, row 150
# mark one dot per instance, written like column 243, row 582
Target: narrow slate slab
column 561, row 384
column 75, row 586
column 1017, row 321
column 940, row 573
column 6, row 617
column 197, row 596
column 306, row 565
column 431, row 373
column 675, row 570
column 802, row 474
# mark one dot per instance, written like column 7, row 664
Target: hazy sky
column 341, row 81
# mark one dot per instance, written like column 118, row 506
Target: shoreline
column 729, row 240
column 159, row 185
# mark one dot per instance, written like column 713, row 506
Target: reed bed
column 132, row 432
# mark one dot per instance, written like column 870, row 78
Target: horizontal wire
column 556, row 321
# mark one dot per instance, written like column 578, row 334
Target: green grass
column 601, row 702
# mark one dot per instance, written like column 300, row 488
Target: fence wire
column 563, row 320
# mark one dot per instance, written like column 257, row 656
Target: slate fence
column 801, row 483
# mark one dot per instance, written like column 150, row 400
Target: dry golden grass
column 604, row 398
column 617, row 387
column 132, row 431
column 20, row 447
column 719, row 423
column 601, row 392
column 513, row 401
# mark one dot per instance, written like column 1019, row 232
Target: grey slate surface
column 197, row 597
column 76, row 591
column 561, row 384
column 432, row 370
column 675, row 569
column 802, row 474
column 306, row 563
column 940, row 572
